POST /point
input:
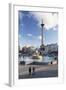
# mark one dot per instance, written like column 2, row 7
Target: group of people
column 31, row 69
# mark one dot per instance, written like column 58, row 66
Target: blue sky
column 29, row 28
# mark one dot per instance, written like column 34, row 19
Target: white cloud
column 29, row 34
column 49, row 19
column 54, row 28
column 20, row 15
column 20, row 40
column 19, row 36
column 21, row 24
column 39, row 37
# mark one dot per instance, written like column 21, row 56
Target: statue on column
column 42, row 48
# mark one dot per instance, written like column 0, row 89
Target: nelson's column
column 42, row 48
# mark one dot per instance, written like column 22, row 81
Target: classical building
column 51, row 48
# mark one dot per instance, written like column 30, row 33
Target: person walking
column 29, row 70
column 33, row 70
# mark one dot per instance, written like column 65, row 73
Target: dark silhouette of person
column 51, row 62
column 33, row 70
column 29, row 70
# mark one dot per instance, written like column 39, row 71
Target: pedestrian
column 33, row 70
column 29, row 70
column 51, row 62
